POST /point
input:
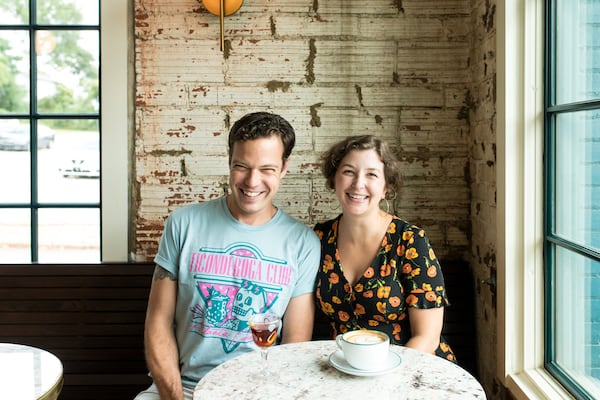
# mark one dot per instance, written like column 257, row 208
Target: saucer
column 337, row 360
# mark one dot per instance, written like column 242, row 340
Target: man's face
column 256, row 168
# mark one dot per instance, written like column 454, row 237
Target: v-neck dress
column 405, row 273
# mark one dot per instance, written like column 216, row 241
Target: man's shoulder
column 197, row 208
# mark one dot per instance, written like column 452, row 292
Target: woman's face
column 360, row 182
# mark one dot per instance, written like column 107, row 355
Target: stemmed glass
column 264, row 329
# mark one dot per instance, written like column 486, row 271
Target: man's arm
column 298, row 319
column 159, row 338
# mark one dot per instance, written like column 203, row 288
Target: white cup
column 364, row 349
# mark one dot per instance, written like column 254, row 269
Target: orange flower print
column 421, row 233
column 334, row 278
column 359, row 309
column 385, row 270
column 327, row 263
column 392, row 317
column 336, row 300
column 384, row 241
column 411, row 253
column 327, row 308
column 343, row 316
column 415, row 272
column 397, row 329
column 431, row 254
column 373, row 323
column 383, row 292
column 394, row 301
column 368, row 294
column 430, row 296
column 337, row 255
column 379, row 318
column 426, row 287
column 347, row 288
column 406, row 268
column 381, row 307
column 400, row 250
column 450, row 357
column 319, row 234
column 359, row 287
column 407, row 235
column 392, row 228
column 369, row 273
column 432, row 271
column 402, row 316
column 387, row 248
column 444, row 347
column 411, row 299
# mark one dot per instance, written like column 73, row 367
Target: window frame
column 521, row 324
column 115, row 127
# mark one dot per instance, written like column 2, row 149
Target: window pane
column 69, row 235
column 14, row 14
column 14, row 162
column 72, row 12
column 14, row 67
column 577, row 318
column 68, row 74
column 69, row 172
column 15, row 236
column 577, row 50
column 578, row 177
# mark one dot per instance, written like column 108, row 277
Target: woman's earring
column 387, row 205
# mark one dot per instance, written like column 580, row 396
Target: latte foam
column 365, row 338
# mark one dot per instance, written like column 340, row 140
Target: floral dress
column 405, row 273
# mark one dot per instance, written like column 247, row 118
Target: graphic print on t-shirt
column 234, row 283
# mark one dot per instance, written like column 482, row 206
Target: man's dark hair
column 262, row 125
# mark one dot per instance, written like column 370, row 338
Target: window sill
column 536, row 384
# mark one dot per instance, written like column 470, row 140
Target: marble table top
column 305, row 372
column 29, row 373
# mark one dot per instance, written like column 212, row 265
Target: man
column 221, row 261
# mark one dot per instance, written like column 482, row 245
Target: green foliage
column 67, row 56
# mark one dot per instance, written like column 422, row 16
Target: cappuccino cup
column 364, row 349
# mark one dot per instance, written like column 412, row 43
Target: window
column 572, row 165
column 53, row 136
column 548, row 248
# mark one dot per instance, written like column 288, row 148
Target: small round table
column 305, row 372
column 29, row 373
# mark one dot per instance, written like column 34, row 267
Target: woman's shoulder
column 326, row 225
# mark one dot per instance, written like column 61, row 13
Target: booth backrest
column 89, row 316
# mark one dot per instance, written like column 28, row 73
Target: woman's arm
column 426, row 328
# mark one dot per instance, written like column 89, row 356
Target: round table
column 29, row 373
column 305, row 372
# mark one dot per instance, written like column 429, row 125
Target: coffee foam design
column 365, row 338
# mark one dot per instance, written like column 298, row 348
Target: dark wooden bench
column 90, row 316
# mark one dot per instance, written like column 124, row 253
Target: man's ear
column 284, row 169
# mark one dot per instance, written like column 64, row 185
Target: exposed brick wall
column 482, row 179
column 397, row 69
column 419, row 73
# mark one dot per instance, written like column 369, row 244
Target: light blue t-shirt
column 227, row 271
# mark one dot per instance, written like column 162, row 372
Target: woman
column 377, row 271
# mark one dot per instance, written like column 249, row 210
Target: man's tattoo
column 161, row 273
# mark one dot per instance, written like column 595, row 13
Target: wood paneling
column 90, row 316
